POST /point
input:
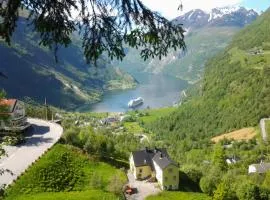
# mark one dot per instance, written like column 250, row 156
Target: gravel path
column 144, row 189
column 39, row 138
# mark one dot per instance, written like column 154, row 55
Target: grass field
column 66, row 173
column 133, row 127
column 154, row 114
column 242, row 134
column 82, row 195
column 179, row 196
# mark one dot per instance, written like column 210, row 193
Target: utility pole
column 46, row 110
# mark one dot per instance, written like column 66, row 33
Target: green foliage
column 82, row 195
column 102, row 143
column 224, row 192
column 100, row 32
column 233, row 94
column 266, row 182
column 179, row 196
column 210, row 180
column 248, row 191
column 116, row 184
column 219, row 159
column 64, row 168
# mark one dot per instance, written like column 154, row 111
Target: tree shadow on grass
column 186, row 184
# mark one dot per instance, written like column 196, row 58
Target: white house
column 259, row 168
column 12, row 115
column 155, row 164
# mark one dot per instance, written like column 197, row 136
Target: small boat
column 135, row 102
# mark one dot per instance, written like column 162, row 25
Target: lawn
column 133, row 127
column 154, row 114
column 82, row 195
column 66, row 171
column 179, row 196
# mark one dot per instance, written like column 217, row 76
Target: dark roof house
column 147, row 156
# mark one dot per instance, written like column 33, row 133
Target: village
column 151, row 170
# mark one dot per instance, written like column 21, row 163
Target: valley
column 202, row 132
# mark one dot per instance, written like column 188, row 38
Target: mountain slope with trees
column 33, row 72
column 206, row 35
column 234, row 93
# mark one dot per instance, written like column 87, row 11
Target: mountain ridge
column 203, row 39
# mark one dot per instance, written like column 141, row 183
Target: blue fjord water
column 156, row 90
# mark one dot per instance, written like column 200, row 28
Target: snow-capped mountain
column 207, row 33
column 226, row 16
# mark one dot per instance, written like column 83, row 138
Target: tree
column 248, row 191
column 224, row 191
column 105, row 26
column 210, row 181
column 219, row 158
column 116, row 184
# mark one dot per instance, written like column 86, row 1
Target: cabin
column 109, row 120
column 155, row 164
column 12, row 115
column 259, row 168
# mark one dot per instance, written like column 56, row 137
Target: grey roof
column 147, row 156
column 163, row 160
column 262, row 167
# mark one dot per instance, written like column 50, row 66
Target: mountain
column 234, row 92
column 33, row 72
column 226, row 16
column 206, row 35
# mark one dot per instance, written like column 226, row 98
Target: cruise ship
column 135, row 102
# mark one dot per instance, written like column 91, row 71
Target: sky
column 168, row 8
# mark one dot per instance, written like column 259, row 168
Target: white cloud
column 168, row 8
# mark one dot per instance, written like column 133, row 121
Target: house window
column 166, row 178
column 140, row 170
column 174, row 178
column 170, row 170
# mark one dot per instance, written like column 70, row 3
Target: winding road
column 39, row 138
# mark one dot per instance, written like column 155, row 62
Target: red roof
column 9, row 103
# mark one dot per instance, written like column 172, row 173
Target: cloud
column 168, row 8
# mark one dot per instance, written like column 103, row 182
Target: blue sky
column 259, row 5
column 168, row 8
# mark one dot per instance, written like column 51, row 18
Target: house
column 12, row 115
column 155, row 164
column 109, row 120
column 259, row 168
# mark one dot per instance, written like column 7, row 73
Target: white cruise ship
column 135, row 102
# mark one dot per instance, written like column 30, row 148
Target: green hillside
column 201, row 43
column 33, row 72
column 65, row 172
column 234, row 93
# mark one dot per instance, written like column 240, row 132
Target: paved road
column 144, row 189
column 263, row 129
column 39, row 138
